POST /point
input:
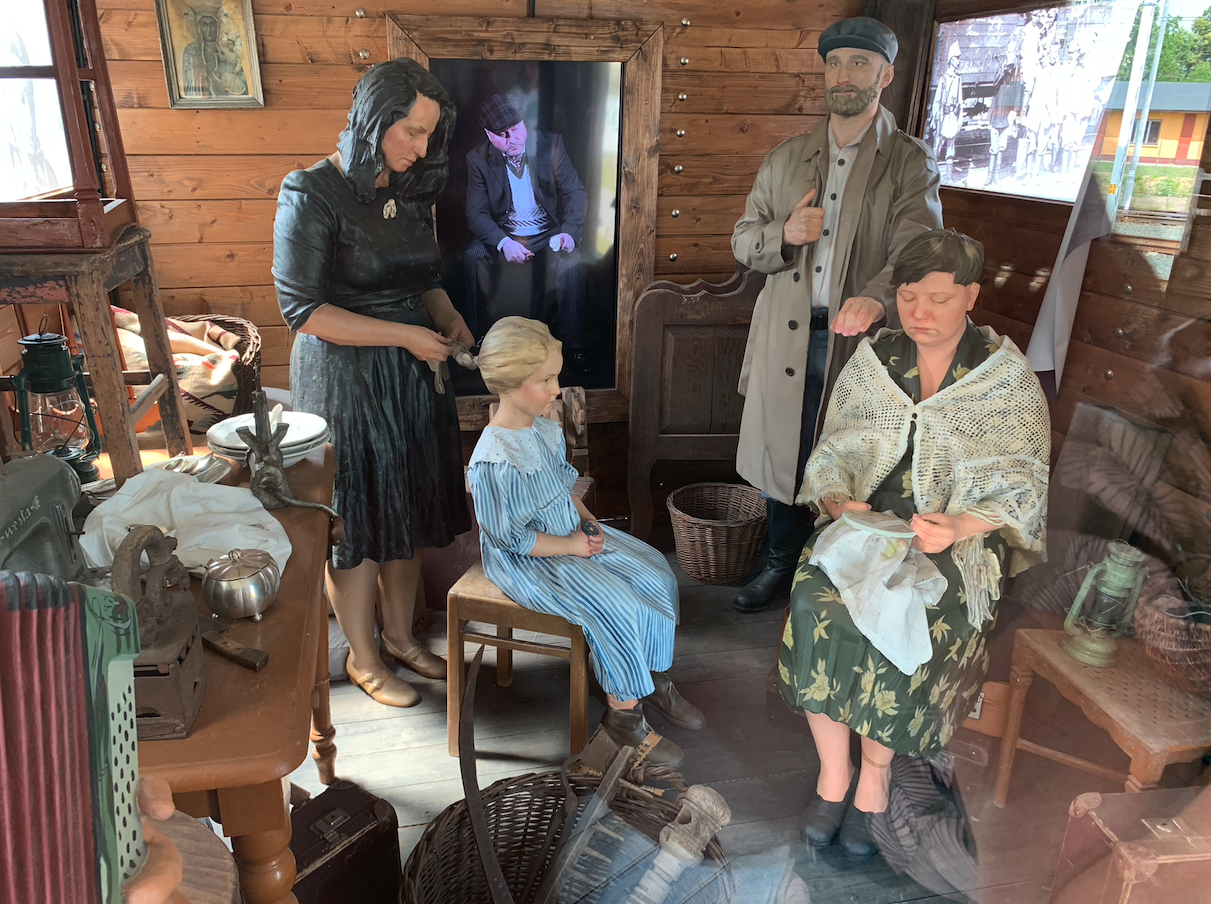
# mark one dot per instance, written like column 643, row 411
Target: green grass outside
column 1159, row 187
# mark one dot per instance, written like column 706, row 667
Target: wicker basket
column 444, row 866
column 248, row 369
column 1178, row 648
column 718, row 529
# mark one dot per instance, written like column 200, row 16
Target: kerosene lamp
column 1104, row 606
column 52, row 401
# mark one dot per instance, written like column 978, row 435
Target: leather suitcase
column 346, row 848
column 1148, row 848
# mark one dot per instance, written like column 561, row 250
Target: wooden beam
column 216, row 177
column 258, row 132
column 694, row 134
column 758, row 14
column 682, row 174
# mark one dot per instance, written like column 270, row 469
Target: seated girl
column 543, row 548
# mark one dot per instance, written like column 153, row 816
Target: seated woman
column 944, row 425
column 543, row 548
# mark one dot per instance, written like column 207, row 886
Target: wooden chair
column 475, row 598
column 688, row 351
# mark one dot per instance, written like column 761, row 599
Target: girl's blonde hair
column 514, row 348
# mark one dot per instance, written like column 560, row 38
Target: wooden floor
column 766, row 772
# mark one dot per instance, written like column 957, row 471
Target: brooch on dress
column 389, row 209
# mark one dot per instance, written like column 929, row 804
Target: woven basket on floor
column 1178, row 648
column 248, row 369
column 445, row 867
column 718, row 529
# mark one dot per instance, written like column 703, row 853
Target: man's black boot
column 756, row 595
column 788, row 527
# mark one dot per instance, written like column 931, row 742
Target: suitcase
column 346, row 848
column 1148, row 848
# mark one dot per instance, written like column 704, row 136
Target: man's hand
column 805, row 223
column 857, row 316
column 515, row 252
column 563, row 242
column 935, row 532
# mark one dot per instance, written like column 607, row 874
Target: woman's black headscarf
column 382, row 97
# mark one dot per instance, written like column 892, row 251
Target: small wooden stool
column 1152, row 722
column 475, row 598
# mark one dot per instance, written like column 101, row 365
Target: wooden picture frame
column 210, row 54
column 639, row 46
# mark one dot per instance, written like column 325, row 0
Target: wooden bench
column 476, row 599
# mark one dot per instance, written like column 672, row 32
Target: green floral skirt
column 826, row 665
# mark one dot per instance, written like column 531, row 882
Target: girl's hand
column 837, row 509
column 582, row 545
column 935, row 532
column 426, row 344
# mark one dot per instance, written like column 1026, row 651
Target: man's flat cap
column 862, row 33
column 499, row 112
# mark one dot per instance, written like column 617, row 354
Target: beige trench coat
column 890, row 196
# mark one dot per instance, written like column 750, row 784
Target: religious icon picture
column 209, row 50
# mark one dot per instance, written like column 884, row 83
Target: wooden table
column 254, row 727
column 1153, row 722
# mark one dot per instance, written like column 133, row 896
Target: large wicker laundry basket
column 718, row 529
column 1178, row 647
column 444, row 866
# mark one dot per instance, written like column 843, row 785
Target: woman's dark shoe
column 856, row 840
column 667, row 701
column 822, row 821
column 628, row 728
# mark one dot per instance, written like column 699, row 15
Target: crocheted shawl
column 982, row 447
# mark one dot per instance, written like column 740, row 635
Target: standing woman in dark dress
column 356, row 269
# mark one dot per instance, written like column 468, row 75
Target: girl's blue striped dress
column 625, row 597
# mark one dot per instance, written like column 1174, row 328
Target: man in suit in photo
column 526, row 208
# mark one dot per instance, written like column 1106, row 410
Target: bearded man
column 827, row 216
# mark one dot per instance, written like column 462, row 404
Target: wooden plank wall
column 207, row 180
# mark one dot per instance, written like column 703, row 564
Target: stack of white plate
column 306, row 432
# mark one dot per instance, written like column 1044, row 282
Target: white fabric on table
column 886, row 583
column 208, row 520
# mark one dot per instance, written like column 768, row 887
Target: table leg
column 322, row 731
column 1145, row 773
column 1020, row 680
column 266, row 866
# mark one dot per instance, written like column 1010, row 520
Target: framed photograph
column 542, row 137
column 209, row 51
column 1019, row 103
column 586, row 93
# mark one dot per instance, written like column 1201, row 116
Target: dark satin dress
column 399, row 475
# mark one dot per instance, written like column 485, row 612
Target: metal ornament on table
column 1104, row 606
column 52, row 401
column 268, row 482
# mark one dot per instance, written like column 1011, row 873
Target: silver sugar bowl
column 242, row 584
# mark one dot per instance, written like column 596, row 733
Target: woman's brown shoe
column 420, row 660
column 385, row 687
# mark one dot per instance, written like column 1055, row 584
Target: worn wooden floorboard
column 767, row 772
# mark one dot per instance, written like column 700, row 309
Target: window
column 1152, row 135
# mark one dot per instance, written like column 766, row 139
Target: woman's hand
column 458, row 331
column 424, row 343
column 935, row 532
column 938, row 532
column 583, row 545
column 838, row 508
